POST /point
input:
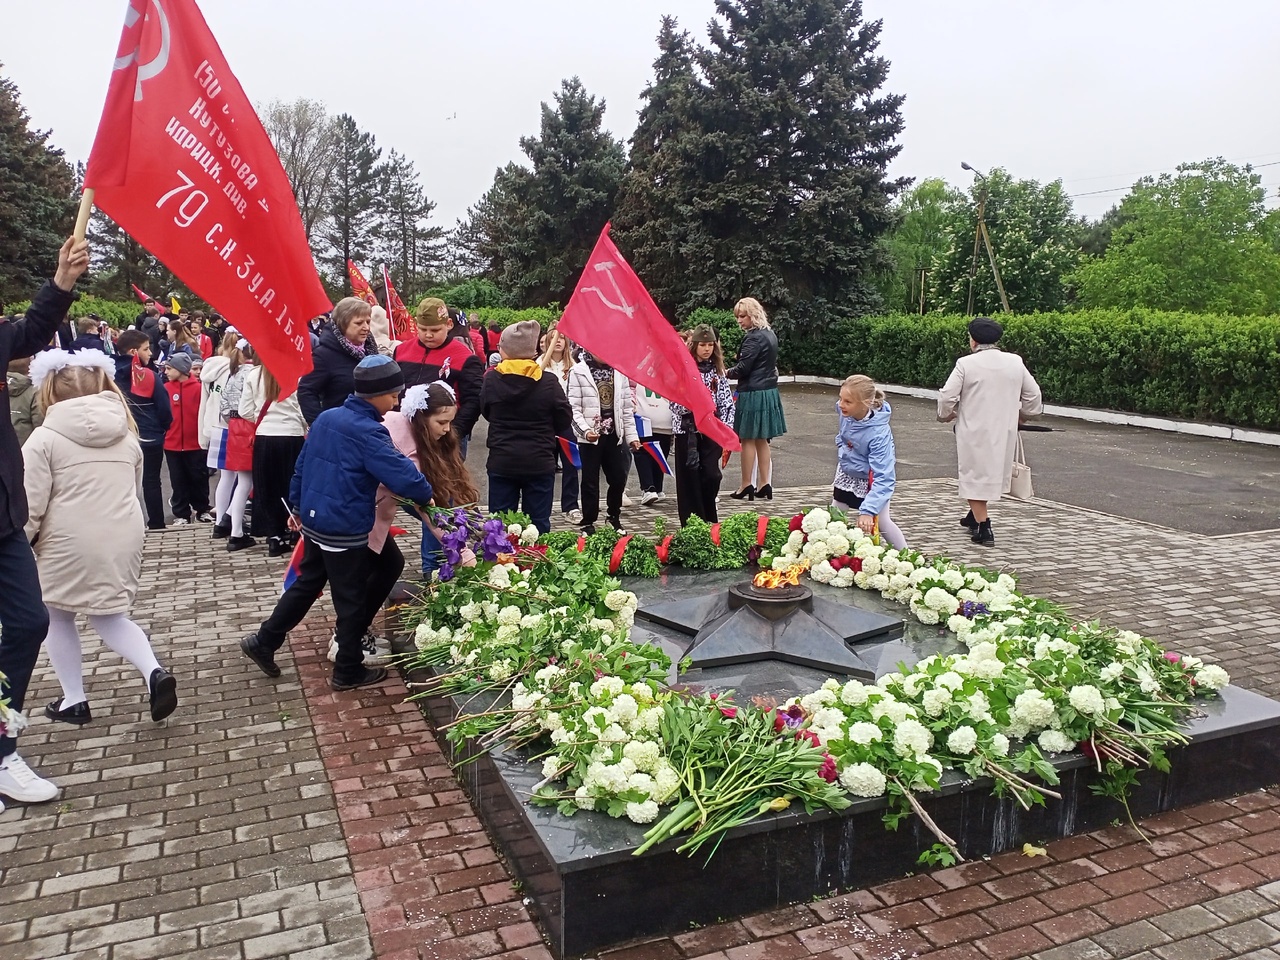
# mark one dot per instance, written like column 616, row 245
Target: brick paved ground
column 275, row 818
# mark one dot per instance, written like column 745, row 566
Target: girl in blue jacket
column 865, row 458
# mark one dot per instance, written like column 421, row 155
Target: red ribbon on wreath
column 715, row 534
column 762, row 527
column 619, row 549
column 664, row 549
column 582, row 543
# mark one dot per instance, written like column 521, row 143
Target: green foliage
column 918, row 242
column 348, row 231
column 36, row 205
column 505, row 316
column 119, row 315
column 1036, row 241
column 470, row 294
column 1199, row 239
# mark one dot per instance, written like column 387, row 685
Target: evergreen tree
column 778, row 168
column 410, row 246
column 535, row 227
column 37, row 200
column 351, row 226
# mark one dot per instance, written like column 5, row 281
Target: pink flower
column 1172, row 657
column 729, row 712
column 828, row 769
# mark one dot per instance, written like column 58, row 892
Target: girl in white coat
column 557, row 360
column 83, row 466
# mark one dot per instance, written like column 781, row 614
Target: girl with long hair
column 557, row 360
column 866, row 462
column 279, row 432
column 82, row 467
column 697, row 456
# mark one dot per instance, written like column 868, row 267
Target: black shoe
column 78, row 714
column 746, row 493
column 968, row 522
column 164, row 693
column 370, row 676
column 265, row 661
column 983, row 535
column 588, row 530
column 277, row 547
column 765, row 492
column 240, row 543
column 616, row 523
column 222, row 530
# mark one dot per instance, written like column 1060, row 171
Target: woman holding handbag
column 278, row 437
column 238, row 472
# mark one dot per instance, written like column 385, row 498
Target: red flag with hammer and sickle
column 182, row 164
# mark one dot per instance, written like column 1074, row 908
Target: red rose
column 795, row 522
column 857, row 564
column 810, row 736
column 729, row 712
column 828, row 769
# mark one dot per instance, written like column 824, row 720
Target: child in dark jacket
column 347, row 454
column 526, row 412
column 188, row 474
column 697, row 460
column 149, row 404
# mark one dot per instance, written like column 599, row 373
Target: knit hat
column 520, row 340
column 377, row 375
column 985, row 330
column 181, row 362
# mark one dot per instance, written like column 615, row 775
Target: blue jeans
column 24, row 622
column 432, row 552
column 535, row 492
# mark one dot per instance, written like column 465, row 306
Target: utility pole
column 982, row 237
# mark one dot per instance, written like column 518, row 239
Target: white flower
column 583, row 798
column 862, row 579
column 911, row 684
column 501, row 670
column 509, row 614
column 1033, row 709
column 999, row 745
column 925, row 615
column 823, row 572
column 879, row 582
column 782, row 563
column 960, row 624
column 854, row 693
column 530, row 620
column 640, row 782
column 1212, row 677
column 950, row 680
column 514, row 530
column 548, row 673
column 828, row 717
column 1087, row 699
column 507, row 632
column 552, row 766
column 615, row 600
column 529, row 535
column 837, row 544
column 863, row 780
column 864, row 733
column 936, row 598
column 601, row 624
column 471, row 612
column 650, row 722
column 607, row 686
column 953, row 580
column 666, row 782
column 936, row 701
column 813, row 702
column 962, row 740
column 815, row 520
column 843, row 578
column 912, row 739
column 646, row 812
column 893, row 709
column 871, row 566
column 1051, row 741
column 794, row 541
column 424, row 636
column 499, row 577
column 643, row 753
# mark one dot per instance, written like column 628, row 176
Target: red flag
column 140, row 295
column 360, row 286
column 182, row 164
column 401, row 321
column 612, row 315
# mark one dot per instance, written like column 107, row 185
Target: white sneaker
column 19, row 782
column 648, row 497
column 180, row 522
column 626, row 501
column 377, row 651
column 575, row 516
column 660, row 495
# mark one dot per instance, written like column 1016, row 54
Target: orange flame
column 776, row 579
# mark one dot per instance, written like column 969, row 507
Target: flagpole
column 82, row 217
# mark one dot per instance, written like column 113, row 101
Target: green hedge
column 119, row 314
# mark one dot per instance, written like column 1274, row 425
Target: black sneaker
column 164, row 693
column 265, row 660
column 616, row 523
column 370, row 676
column 587, row 530
column 277, row 547
column 78, row 714
column 222, row 529
column 968, row 522
column 240, row 543
column 983, row 536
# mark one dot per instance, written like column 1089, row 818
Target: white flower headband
column 51, row 361
column 416, row 399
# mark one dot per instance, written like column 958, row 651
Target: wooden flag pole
column 82, row 217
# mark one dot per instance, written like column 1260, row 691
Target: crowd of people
column 376, row 426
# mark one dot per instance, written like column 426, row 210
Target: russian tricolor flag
column 655, row 451
column 570, row 451
column 292, row 571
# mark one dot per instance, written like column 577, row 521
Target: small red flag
column 181, row 162
column 401, row 321
column 139, row 294
column 360, row 287
column 612, row 315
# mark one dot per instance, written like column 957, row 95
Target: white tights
column 119, row 633
column 888, row 529
column 231, row 497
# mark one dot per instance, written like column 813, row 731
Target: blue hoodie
column 867, row 445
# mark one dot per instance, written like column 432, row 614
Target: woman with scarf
column 343, row 343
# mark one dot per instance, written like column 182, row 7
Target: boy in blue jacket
column 348, row 453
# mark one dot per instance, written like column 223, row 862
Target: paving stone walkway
column 278, row 819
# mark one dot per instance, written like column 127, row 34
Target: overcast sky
column 1095, row 92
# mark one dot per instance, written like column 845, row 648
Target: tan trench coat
column 83, row 467
column 985, row 395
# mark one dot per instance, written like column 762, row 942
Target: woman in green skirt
column 759, row 414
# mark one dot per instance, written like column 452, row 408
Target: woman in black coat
column 343, row 343
column 758, row 418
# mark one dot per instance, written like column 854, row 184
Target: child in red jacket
column 188, row 474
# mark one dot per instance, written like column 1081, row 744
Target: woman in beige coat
column 82, row 470
column 987, row 395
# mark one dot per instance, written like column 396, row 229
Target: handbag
column 240, row 437
column 1020, row 480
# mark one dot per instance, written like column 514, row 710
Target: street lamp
column 983, row 237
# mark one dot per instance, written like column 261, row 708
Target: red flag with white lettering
column 612, row 315
column 181, row 162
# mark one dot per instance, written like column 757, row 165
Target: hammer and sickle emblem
column 622, row 306
column 130, row 49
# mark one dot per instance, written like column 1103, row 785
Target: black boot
column 983, row 535
column 968, row 522
column 277, row 547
